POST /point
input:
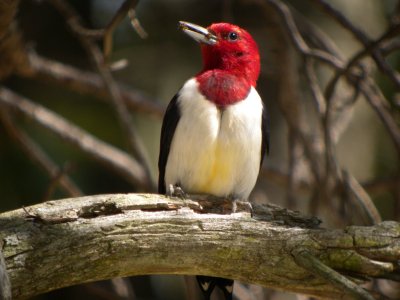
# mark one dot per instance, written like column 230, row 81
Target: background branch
column 134, row 141
column 86, row 82
column 105, row 153
column 37, row 154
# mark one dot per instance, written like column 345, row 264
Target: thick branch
column 66, row 242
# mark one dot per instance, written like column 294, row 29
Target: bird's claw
column 176, row 191
column 243, row 204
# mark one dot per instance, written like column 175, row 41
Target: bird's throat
column 223, row 88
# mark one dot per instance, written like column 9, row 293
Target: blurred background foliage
column 158, row 66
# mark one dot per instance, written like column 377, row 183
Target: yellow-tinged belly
column 218, row 167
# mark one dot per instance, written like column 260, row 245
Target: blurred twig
column 87, row 82
column 376, row 99
column 37, row 154
column 136, row 24
column 288, row 104
column 281, row 178
column 374, row 187
column 362, row 37
column 12, row 51
column 331, row 175
column 126, row 7
column 390, row 46
column 110, row 156
column 295, row 154
column 368, row 87
column 135, row 144
column 317, row 95
column 354, row 188
column 56, row 180
column 297, row 39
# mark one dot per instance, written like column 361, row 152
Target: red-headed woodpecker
column 214, row 133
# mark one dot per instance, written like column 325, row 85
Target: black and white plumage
column 215, row 130
column 212, row 150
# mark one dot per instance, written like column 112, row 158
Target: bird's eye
column 232, row 36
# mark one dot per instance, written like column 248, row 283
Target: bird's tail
column 208, row 283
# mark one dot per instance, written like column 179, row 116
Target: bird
column 215, row 130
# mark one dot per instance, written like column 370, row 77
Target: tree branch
column 66, row 242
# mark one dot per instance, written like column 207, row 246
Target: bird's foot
column 176, row 191
column 239, row 205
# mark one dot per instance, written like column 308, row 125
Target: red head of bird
column 231, row 61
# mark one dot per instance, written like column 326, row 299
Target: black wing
column 170, row 121
column 264, row 133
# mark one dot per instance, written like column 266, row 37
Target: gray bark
column 66, row 242
column 5, row 287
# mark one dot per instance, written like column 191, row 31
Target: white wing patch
column 215, row 151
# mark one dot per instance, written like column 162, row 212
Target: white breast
column 215, row 151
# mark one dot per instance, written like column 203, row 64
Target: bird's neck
column 223, row 87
